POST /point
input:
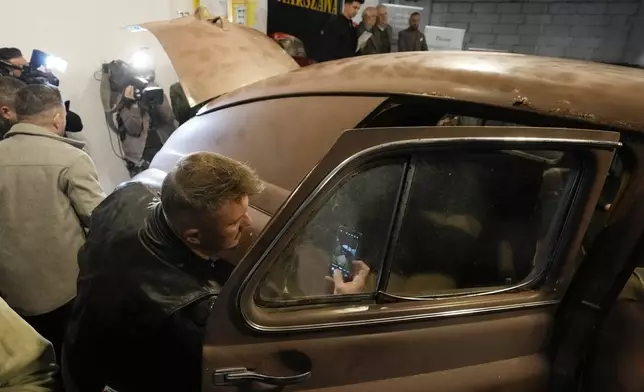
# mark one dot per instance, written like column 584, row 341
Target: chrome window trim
column 407, row 318
column 244, row 287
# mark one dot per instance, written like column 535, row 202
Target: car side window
column 431, row 225
column 477, row 222
column 352, row 222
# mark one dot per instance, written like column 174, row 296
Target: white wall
column 87, row 33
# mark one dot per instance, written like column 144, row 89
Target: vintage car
column 497, row 197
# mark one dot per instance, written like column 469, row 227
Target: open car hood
column 212, row 59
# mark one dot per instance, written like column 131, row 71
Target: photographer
column 9, row 88
column 136, row 109
column 15, row 62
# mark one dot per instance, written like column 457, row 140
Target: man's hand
column 354, row 286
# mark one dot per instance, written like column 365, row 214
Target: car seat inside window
column 479, row 221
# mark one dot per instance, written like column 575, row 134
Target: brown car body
column 305, row 129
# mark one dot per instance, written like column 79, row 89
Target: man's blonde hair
column 201, row 182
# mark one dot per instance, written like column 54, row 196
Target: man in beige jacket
column 49, row 187
column 27, row 361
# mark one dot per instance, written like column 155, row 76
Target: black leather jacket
column 143, row 302
column 339, row 39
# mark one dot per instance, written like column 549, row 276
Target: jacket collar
column 34, row 130
column 160, row 239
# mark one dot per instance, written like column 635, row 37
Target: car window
column 479, row 221
column 355, row 218
column 435, row 224
column 455, row 120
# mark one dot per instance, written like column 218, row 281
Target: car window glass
column 477, row 222
column 355, row 218
column 455, row 120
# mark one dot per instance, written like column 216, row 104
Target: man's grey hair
column 364, row 13
column 35, row 100
column 9, row 87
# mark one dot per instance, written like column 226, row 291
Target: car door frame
column 232, row 324
column 598, row 284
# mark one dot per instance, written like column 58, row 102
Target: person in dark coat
column 412, row 39
column 339, row 38
column 9, row 87
column 74, row 121
column 366, row 26
column 149, row 276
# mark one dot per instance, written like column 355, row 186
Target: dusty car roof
column 594, row 92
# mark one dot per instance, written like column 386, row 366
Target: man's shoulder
column 337, row 20
column 39, row 151
column 333, row 20
column 128, row 196
column 122, row 213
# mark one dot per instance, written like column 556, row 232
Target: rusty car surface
column 545, row 157
column 599, row 93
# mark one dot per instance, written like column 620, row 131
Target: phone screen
column 345, row 250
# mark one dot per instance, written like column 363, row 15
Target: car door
column 472, row 235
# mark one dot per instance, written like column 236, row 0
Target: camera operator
column 14, row 60
column 137, row 109
column 9, row 88
column 13, row 63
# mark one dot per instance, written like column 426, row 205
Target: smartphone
column 345, row 250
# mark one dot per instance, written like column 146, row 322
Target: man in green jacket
column 27, row 360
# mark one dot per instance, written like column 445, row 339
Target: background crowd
column 341, row 38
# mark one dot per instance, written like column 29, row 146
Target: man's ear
column 5, row 112
column 192, row 237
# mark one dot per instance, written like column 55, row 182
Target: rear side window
column 432, row 225
column 478, row 221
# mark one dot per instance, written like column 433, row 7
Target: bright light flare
column 55, row 63
column 142, row 60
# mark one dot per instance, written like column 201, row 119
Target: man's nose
column 247, row 220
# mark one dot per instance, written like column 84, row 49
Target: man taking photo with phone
column 150, row 274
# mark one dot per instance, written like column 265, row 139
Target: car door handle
column 233, row 376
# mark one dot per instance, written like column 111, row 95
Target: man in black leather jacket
column 148, row 278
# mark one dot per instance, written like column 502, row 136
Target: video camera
column 35, row 72
column 122, row 76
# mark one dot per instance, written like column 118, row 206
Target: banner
column 444, row 38
column 303, row 19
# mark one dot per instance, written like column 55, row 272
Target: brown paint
column 295, row 139
column 575, row 89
